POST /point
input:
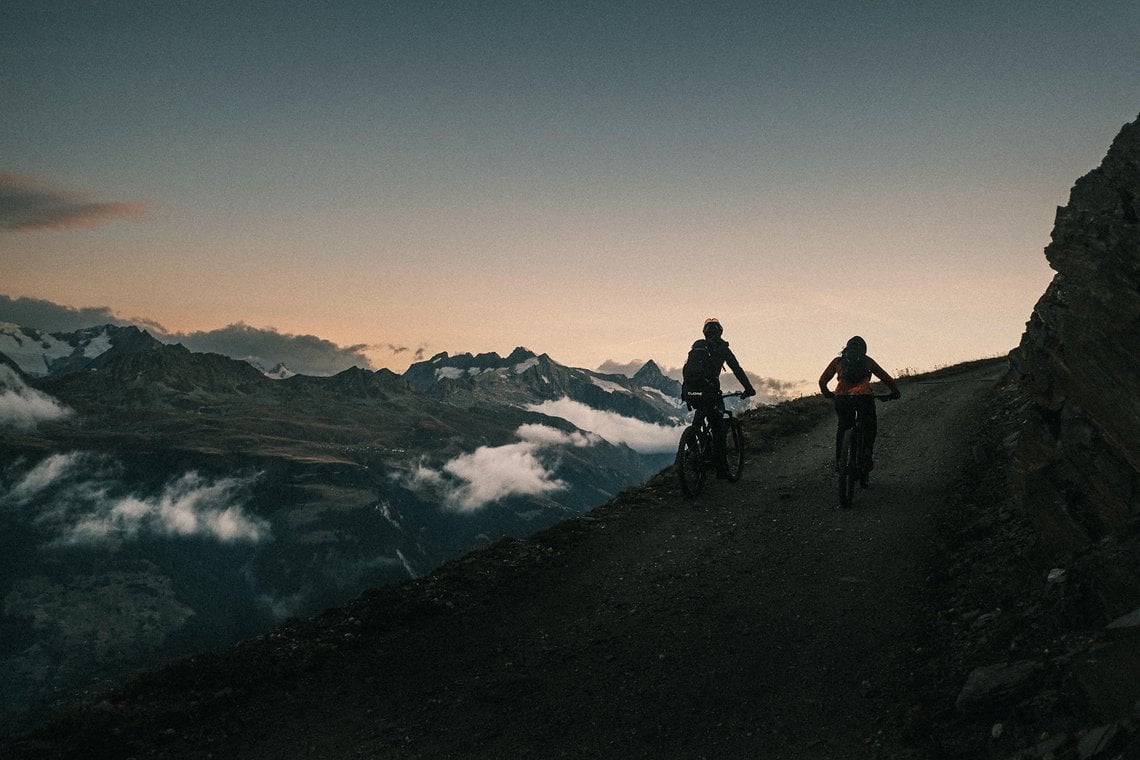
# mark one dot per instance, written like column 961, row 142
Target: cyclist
column 701, row 385
column 853, row 392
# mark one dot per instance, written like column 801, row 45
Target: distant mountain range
column 159, row 501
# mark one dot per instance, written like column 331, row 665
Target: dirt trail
column 756, row 621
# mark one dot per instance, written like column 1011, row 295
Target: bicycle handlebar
column 884, row 396
column 733, row 394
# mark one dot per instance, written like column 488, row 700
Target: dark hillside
column 757, row 620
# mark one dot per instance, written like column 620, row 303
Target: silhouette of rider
column 704, row 397
column 853, row 392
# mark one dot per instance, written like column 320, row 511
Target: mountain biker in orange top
column 701, row 385
column 853, row 392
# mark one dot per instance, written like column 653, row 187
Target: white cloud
column 472, row 481
column 491, row 473
column 545, row 435
column 80, row 498
column 643, row 437
column 40, row 477
column 22, row 407
column 188, row 506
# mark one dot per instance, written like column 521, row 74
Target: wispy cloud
column 23, row 407
column 28, row 204
column 394, row 350
column 643, row 437
column 189, row 506
column 471, row 481
column 80, row 498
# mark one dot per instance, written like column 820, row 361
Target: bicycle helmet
column 712, row 328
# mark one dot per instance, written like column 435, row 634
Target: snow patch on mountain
column 279, row 371
column 34, row 351
column 609, row 386
column 454, row 373
column 662, row 394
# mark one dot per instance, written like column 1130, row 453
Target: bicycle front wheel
column 848, row 469
column 690, row 463
column 734, row 449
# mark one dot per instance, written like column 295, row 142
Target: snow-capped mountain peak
column 40, row 353
column 278, row 372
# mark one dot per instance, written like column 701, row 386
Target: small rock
column 1049, row 746
column 1131, row 620
column 1097, row 740
column 994, row 683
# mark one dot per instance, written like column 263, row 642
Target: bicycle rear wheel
column 734, row 449
column 690, row 462
column 848, row 468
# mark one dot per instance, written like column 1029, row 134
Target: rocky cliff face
column 1079, row 362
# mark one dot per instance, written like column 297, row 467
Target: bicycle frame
column 695, row 452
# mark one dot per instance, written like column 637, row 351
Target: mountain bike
column 695, row 451
column 853, row 458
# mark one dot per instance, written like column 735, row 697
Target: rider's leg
column 698, row 417
column 845, row 418
column 719, row 431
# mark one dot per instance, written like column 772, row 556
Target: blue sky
column 585, row 179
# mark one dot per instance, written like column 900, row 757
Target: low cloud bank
column 23, row 407
column 304, row 354
column 80, row 499
column 53, row 317
column 470, row 482
column 643, row 437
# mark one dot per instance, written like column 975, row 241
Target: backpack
column 701, row 370
column 852, row 366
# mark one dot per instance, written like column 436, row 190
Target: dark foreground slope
column 755, row 621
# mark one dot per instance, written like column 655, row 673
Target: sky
column 591, row 180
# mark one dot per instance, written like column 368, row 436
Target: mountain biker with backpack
column 700, row 387
column 853, row 393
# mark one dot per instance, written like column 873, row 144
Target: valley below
column 185, row 502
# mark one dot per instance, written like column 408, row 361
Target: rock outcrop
column 1077, row 457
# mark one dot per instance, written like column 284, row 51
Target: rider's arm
column 831, row 371
column 739, row 372
column 883, row 375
